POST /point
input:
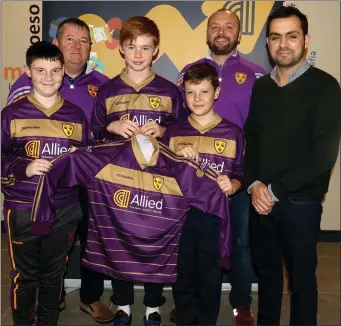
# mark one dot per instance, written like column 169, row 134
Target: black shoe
column 172, row 316
column 122, row 319
column 154, row 319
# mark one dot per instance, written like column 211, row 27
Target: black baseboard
column 325, row 235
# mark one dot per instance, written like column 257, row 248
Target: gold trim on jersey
column 205, row 145
column 47, row 111
column 131, row 83
column 138, row 102
column 46, row 128
column 139, row 180
column 202, row 129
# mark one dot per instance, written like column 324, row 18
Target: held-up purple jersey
column 154, row 98
column 237, row 76
column 137, row 209
column 30, row 131
column 81, row 93
column 220, row 144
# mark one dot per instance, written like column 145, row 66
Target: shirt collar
column 72, row 80
column 297, row 72
column 209, row 55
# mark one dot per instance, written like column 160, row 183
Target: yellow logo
column 121, row 198
column 154, row 101
column 158, row 183
column 200, row 173
column 33, row 148
column 125, row 116
column 219, row 145
column 240, row 77
column 92, row 90
column 68, row 129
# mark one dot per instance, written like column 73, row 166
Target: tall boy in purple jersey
column 236, row 76
column 139, row 193
column 137, row 100
column 220, row 144
column 80, row 85
column 35, row 129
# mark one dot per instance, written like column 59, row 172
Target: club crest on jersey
column 158, row 183
column 92, row 90
column 200, row 173
column 32, row 148
column 240, row 77
column 154, row 101
column 219, row 145
column 125, row 116
column 121, row 198
column 68, row 129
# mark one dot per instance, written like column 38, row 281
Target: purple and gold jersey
column 154, row 98
column 220, row 144
column 30, row 131
column 137, row 209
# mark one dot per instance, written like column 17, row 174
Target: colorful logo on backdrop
column 106, row 58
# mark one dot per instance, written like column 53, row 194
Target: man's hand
column 73, row 149
column 124, row 128
column 152, row 128
column 189, row 152
column 38, row 167
column 262, row 200
column 225, row 185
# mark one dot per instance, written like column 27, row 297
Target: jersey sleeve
column 238, row 173
column 21, row 88
column 176, row 106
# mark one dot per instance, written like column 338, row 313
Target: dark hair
column 43, row 50
column 285, row 12
column 202, row 71
column 72, row 21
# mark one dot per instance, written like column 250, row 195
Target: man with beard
column 236, row 77
column 292, row 142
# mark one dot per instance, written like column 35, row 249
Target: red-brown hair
column 137, row 26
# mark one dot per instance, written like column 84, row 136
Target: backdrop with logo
column 182, row 26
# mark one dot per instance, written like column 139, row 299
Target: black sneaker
column 122, row 319
column 154, row 319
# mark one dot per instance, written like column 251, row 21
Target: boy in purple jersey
column 137, row 100
column 220, row 144
column 35, row 129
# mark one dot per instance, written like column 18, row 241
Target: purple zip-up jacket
column 81, row 93
column 237, row 76
column 154, row 98
column 30, row 131
column 136, row 209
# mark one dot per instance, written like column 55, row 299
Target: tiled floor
column 329, row 295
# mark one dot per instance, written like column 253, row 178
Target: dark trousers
column 240, row 275
column 124, row 293
column 39, row 262
column 197, row 291
column 290, row 233
column 92, row 283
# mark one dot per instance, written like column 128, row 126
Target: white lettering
column 218, row 167
column 54, row 149
column 143, row 119
column 145, row 202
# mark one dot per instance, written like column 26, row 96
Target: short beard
column 293, row 62
column 227, row 49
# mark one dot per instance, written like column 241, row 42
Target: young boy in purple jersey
column 220, row 144
column 35, row 129
column 137, row 100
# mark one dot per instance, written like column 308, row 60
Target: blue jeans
column 241, row 272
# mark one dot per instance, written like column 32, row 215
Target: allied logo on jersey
column 121, row 198
column 158, row 182
column 32, row 148
column 154, row 101
column 92, row 90
column 240, row 77
column 219, row 145
column 200, row 173
column 68, row 129
column 125, row 116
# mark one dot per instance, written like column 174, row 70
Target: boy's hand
column 152, row 128
column 189, row 152
column 38, row 167
column 225, row 185
column 73, row 149
column 124, row 128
